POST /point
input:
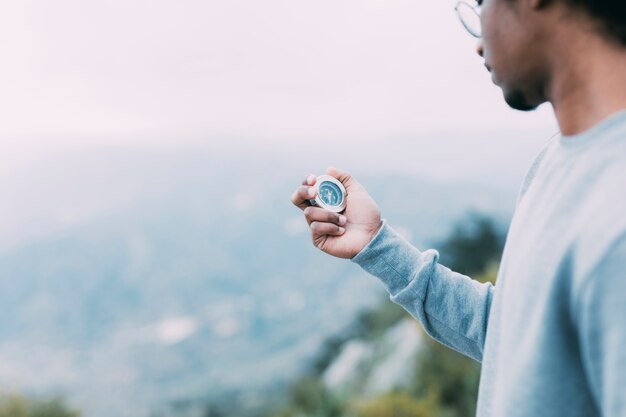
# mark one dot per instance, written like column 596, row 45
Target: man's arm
column 600, row 312
column 453, row 308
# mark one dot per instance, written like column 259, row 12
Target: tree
column 474, row 244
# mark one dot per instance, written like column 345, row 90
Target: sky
column 81, row 72
column 366, row 84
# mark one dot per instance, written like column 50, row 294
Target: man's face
column 512, row 48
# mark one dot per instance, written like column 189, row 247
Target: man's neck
column 588, row 84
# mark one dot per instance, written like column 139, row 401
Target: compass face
column 330, row 193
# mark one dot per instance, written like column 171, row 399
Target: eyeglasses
column 469, row 15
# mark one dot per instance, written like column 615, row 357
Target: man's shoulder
column 534, row 166
column 601, row 220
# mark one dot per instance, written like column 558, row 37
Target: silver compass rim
column 318, row 201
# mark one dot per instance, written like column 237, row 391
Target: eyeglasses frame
column 473, row 8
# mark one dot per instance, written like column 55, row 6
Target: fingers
column 309, row 180
column 316, row 214
column 325, row 229
column 302, row 195
column 324, row 222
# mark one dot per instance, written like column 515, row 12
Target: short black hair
column 610, row 14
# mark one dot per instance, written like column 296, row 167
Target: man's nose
column 480, row 48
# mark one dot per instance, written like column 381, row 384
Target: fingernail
column 310, row 179
column 311, row 192
column 342, row 220
column 341, row 230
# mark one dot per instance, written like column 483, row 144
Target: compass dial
column 330, row 193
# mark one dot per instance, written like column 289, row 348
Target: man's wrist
column 372, row 235
column 376, row 231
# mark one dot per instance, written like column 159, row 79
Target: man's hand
column 340, row 235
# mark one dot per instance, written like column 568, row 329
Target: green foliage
column 373, row 323
column 474, row 244
column 444, row 383
column 328, row 352
column 310, row 397
column 395, row 404
column 489, row 275
column 369, row 324
column 449, row 376
column 16, row 405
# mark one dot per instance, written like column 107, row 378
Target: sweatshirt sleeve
column 601, row 317
column 452, row 307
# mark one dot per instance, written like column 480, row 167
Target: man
column 551, row 335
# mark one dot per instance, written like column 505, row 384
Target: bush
column 395, row 404
column 16, row 405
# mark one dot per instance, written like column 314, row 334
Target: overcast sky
column 106, row 71
column 162, row 73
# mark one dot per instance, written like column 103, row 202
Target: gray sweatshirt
column 551, row 334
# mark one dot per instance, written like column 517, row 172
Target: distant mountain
column 200, row 281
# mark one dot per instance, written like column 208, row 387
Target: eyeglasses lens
column 469, row 18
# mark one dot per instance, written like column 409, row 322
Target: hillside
column 197, row 287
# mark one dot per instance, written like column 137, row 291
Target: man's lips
column 493, row 76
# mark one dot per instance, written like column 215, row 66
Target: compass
column 331, row 194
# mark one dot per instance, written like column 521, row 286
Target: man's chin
column 517, row 100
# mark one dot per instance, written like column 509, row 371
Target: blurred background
column 151, row 263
